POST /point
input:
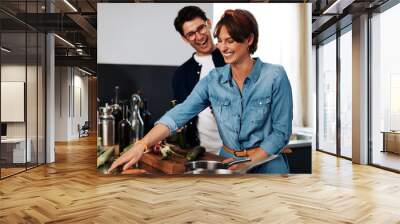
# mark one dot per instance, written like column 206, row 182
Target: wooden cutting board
column 175, row 164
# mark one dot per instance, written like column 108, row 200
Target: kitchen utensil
column 202, row 165
column 107, row 123
column 175, row 164
column 210, row 172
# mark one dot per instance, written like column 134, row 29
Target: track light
column 64, row 40
column 5, row 50
column 84, row 71
column 337, row 7
column 70, row 5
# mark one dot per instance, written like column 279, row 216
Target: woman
column 251, row 101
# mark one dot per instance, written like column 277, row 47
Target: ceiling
column 328, row 16
column 76, row 22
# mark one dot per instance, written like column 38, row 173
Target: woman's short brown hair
column 240, row 24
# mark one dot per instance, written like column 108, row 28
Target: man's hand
column 255, row 155
column 129, row 158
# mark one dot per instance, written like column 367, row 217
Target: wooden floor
column 387, row 159
column 10, row 171
column 70, row 191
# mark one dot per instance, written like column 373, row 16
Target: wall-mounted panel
column 12, row 101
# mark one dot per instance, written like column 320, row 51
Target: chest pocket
column 260, row 108
column 221, row 109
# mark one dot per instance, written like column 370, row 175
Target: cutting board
column 175, row 164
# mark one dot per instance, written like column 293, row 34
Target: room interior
column 51, row 88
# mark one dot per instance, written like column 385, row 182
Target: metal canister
column 107, row 122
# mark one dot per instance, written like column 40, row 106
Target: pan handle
column 237, row 162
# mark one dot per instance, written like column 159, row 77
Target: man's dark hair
column 188, row 13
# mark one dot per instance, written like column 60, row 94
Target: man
column 194, row 28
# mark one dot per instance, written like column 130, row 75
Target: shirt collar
column 254, row 74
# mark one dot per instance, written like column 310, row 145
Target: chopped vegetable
column 166, row 152
column 156, row 148
column 103, row 158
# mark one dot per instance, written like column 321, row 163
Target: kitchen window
column 385, row 89
column 346, row 93
column 327, row 96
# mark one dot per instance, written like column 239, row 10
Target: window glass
column 327, row 97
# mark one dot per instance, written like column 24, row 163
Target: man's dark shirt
column 185, row 78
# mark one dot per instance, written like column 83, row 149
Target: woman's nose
column 221, row 46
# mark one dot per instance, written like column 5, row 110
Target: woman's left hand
column 255, row 155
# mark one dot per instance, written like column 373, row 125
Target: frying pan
column 210, row 172
column 211, row 167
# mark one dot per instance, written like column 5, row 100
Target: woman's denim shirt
column 259, row 116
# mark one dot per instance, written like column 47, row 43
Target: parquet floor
column 70, row 191
column 9, row 171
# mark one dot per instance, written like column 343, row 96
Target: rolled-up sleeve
column 282, row 114
column 196, row 102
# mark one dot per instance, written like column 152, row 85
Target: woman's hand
column 255, row 155
column 129, row 158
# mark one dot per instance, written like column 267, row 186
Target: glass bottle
column 137, row 125
column 124, row 129
column 116, row 111
column 146, row 115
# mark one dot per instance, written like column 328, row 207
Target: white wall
column 61, row 103
column 33, row 126
column 14, row 72
column 141, row 34
column 69, row 82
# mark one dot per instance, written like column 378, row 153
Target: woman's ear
column 250, row 39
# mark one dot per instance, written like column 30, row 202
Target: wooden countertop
column 153, row 163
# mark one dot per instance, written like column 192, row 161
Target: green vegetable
column 195, row 153
column 103, row 158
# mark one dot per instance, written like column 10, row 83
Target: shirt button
column 198, row 72
column 260, row 103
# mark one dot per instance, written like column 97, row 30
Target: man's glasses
column 202, row 29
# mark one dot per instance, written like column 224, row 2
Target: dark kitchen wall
column 154, row 82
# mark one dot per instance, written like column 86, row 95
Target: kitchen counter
column 153, row 163
column 299, row 159
column 299, row 143
column 175, row 164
